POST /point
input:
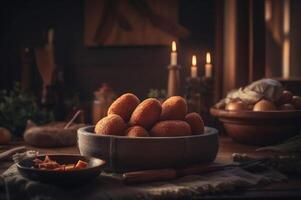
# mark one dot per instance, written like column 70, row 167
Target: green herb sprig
column 17, row 106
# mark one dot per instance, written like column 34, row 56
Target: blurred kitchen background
column 64, row 51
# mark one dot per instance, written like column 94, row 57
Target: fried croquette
column 147, row 113
column 170, row 128
column 136, row 131
column 196, row 123
column 110, row 125
column 174, row 108
column 124, row 106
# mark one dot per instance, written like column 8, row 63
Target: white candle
column 173, row 55
column 208, row 66
column 194, row 69
column 50, row 36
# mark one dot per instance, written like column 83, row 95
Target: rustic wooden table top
column 288, row 189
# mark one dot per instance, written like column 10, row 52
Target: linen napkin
column 292, row 144
column 107, row 187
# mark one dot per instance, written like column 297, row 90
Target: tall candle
column 208, row 66
column 194, row 69
column 173, row 55
column 50, row 36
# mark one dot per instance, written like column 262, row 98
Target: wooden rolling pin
column 169, row 174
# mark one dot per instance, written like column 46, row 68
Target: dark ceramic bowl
column 123, row 153
column 259, row 128
column 74, row 177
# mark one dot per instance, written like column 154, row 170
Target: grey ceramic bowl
column 62, row 178
column 123, row 153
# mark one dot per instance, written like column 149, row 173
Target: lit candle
column 173, row 55
column 208, row 66
column 194, row 69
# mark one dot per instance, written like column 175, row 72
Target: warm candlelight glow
column 208, row 58
column 173, row 46
column 268, row 10
column 173, row 55
column 194, row 69
column 208, row 66
column 193, row 60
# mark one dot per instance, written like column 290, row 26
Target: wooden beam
column 229, row 46
column 256, row 40
column 218, row 52
column 243, row 43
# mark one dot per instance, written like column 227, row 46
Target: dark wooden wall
column 295, row 39
column 135, row 69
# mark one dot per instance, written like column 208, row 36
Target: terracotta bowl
column 123, row 153
column 259, row 128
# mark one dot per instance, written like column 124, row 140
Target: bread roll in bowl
column 236, row 105
column 147, row 113
column 110, row 125
column 296, row 100
column 287, row 106
column 170, row 128
column 174, row 108
column 124, row 106
column 286, row 97
column 264, row 105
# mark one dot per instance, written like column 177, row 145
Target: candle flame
column 208, row 58
column 194, row 60
column 173, row 46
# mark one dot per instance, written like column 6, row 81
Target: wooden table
column 283, row 190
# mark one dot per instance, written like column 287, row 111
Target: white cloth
column 268, row 89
